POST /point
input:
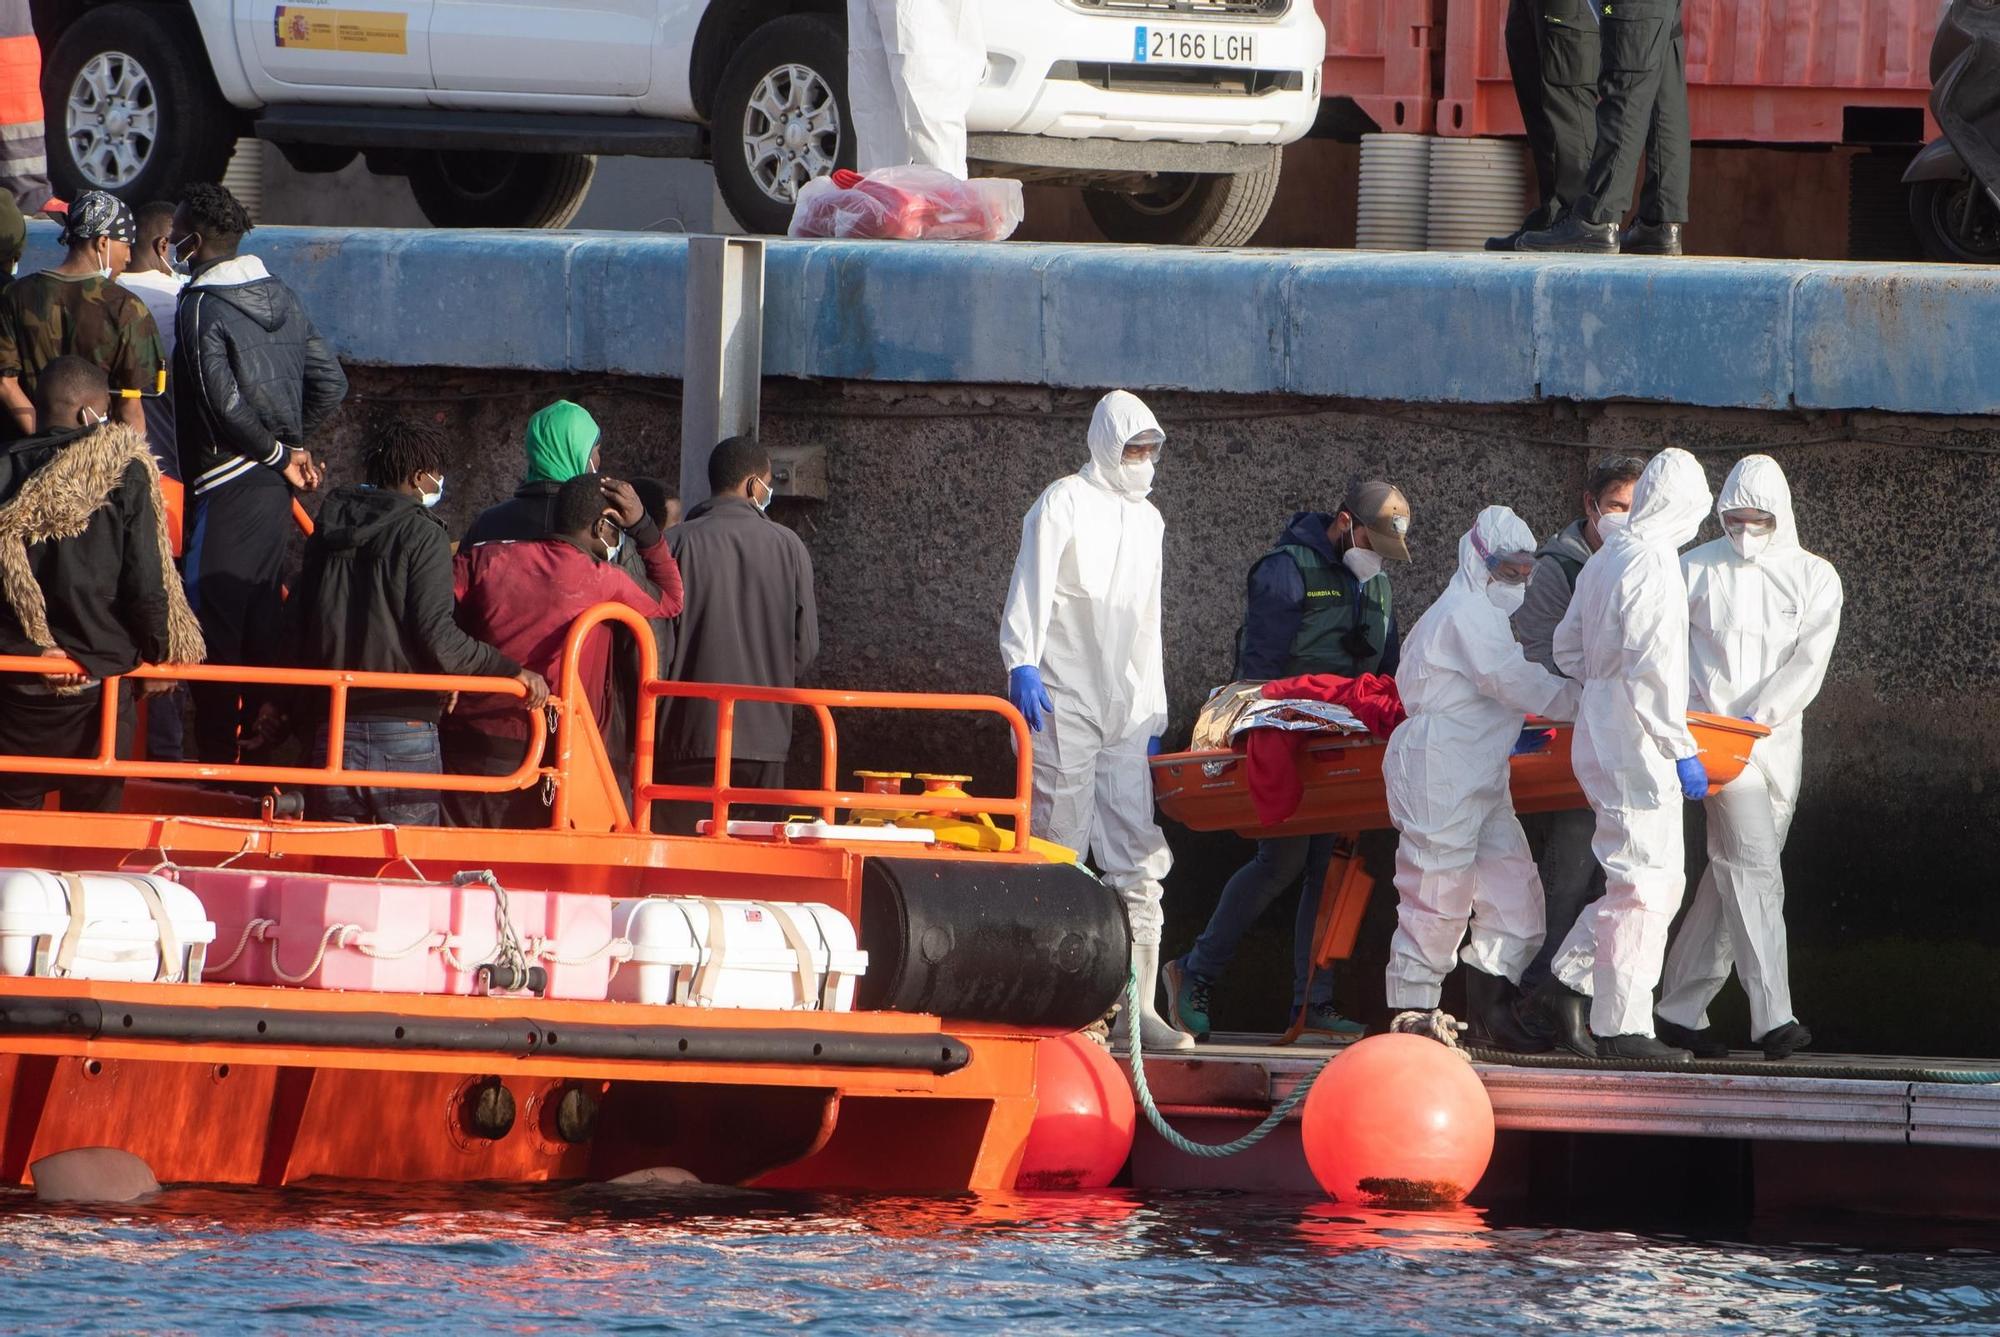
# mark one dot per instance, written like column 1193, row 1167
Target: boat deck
column 1246, row 1074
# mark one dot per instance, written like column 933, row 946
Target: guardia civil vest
column 1338, row 633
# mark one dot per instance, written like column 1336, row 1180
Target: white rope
column 333, row 931
column 618, row 949
column 257, row 928
column 1434, row 1024
column 507, row 949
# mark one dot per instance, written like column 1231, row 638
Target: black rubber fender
column 1027, row 944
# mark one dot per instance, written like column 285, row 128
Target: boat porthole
column 575, row 1115
column 486, row 1110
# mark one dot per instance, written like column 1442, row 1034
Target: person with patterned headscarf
column 79, row 309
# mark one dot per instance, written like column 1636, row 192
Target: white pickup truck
column 1170, row 115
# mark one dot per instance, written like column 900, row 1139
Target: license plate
column 1192, row 46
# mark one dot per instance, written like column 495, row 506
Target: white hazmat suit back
column 1084, row 609
column 1466, row 685
column 913, row 67
column 1762, row 630
column 1625, row 638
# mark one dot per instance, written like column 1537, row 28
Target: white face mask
column 1135, row 477
column 104, row 270
column 1365, row 563
column 1507, row 598
column 182, row 264
column 1749, row 546
column 430, row 499
column 770, row 495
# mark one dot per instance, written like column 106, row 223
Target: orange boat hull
column 1210, row 791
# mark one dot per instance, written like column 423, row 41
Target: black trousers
column 1552, row 53
column 238, row 539
column 679, row 819
column 1642, row 113
column 470, row 752
column 40, row 724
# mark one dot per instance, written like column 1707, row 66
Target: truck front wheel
column 1179, row 209
column 781, row 118
column 464, row 189
column 132, row 106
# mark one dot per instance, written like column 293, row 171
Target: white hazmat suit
column 1084, row 608
column 1625, row 638
column 913, row 67
column 1466, row 685
column 1762, row 632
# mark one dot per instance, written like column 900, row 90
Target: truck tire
column 1938, row 213
column 132, row 106
column 534, row 190
column 798, row 63
column 1185, row 210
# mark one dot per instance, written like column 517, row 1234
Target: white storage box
column 748, row 954
column 101, row 926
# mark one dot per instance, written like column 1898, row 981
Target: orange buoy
column 1084, row 1117
column 1398, row 1121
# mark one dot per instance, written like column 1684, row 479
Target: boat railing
column 558, row 755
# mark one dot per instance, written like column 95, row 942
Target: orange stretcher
column 1344, row 795
column 1210, row 791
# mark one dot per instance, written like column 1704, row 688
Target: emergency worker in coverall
column 1080, row 639
column 912, row 69
column 1625, row 638
column 1463, row 871
column 1764, row 614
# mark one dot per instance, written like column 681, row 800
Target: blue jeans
column 1279, row 864
column 381, row 745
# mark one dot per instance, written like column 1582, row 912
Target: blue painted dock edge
column 1420, row 328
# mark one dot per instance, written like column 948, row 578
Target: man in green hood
column 561, row 442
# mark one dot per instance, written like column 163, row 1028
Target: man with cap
column 78, row 309
column 1318, row 602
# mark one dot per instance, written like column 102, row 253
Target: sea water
column 386, row 1260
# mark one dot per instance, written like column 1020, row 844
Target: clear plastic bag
column 908, row 203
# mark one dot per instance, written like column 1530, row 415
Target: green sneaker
column 1326, row 1020
column 1187, row 998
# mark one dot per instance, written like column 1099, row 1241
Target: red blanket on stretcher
column 1273, row 754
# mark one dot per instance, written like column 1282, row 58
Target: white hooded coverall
column 1084, row 608
column 1466, row 685
column 913, row 67
column 1625, row 638
column 1762, row 632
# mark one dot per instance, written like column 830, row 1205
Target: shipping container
column 1381, row 57
column 1759, row 71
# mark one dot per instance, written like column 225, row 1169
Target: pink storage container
column 386, row 936
column 241, row 904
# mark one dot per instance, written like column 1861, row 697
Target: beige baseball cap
column 1382, row 510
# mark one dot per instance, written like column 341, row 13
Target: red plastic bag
column 907, row 203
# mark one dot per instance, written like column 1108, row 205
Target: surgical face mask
column 1507, row 598
column 1135, row 477
column 1365, row 563
column 430, row 499
column 180, row 255
column 611, row 550
column 1611, row 522
column 770, row 495
column 104, row 269
column 92, row 418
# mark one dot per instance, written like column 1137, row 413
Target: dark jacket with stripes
column 251, row 376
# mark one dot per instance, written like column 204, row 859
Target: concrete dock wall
column 949, row 385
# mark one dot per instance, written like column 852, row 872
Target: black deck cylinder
column 1031, row 944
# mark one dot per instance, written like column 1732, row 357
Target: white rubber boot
column 1155, row 1031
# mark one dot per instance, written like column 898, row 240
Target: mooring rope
column 1210, row 1150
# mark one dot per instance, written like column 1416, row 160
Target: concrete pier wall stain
column 1891, row 868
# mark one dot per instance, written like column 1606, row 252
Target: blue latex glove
column 1153, row 746
column 1746, row 719
column 1025, row 690
column 1694, row 780
column 1532, row 740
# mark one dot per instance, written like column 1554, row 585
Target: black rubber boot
column 1567, row 1015
column 1644, row 238
column 1701, row 1043
column 1496, row 1011
column 1640, row 1047
column 1784, row 1041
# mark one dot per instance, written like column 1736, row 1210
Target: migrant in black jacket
column 251, row 375
column 84, row 558
column 375, row 595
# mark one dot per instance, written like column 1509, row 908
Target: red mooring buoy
column 1398, row 1121
column 1084, row 1117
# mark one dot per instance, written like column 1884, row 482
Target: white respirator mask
column 1365, row 563
column 1507, row 598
